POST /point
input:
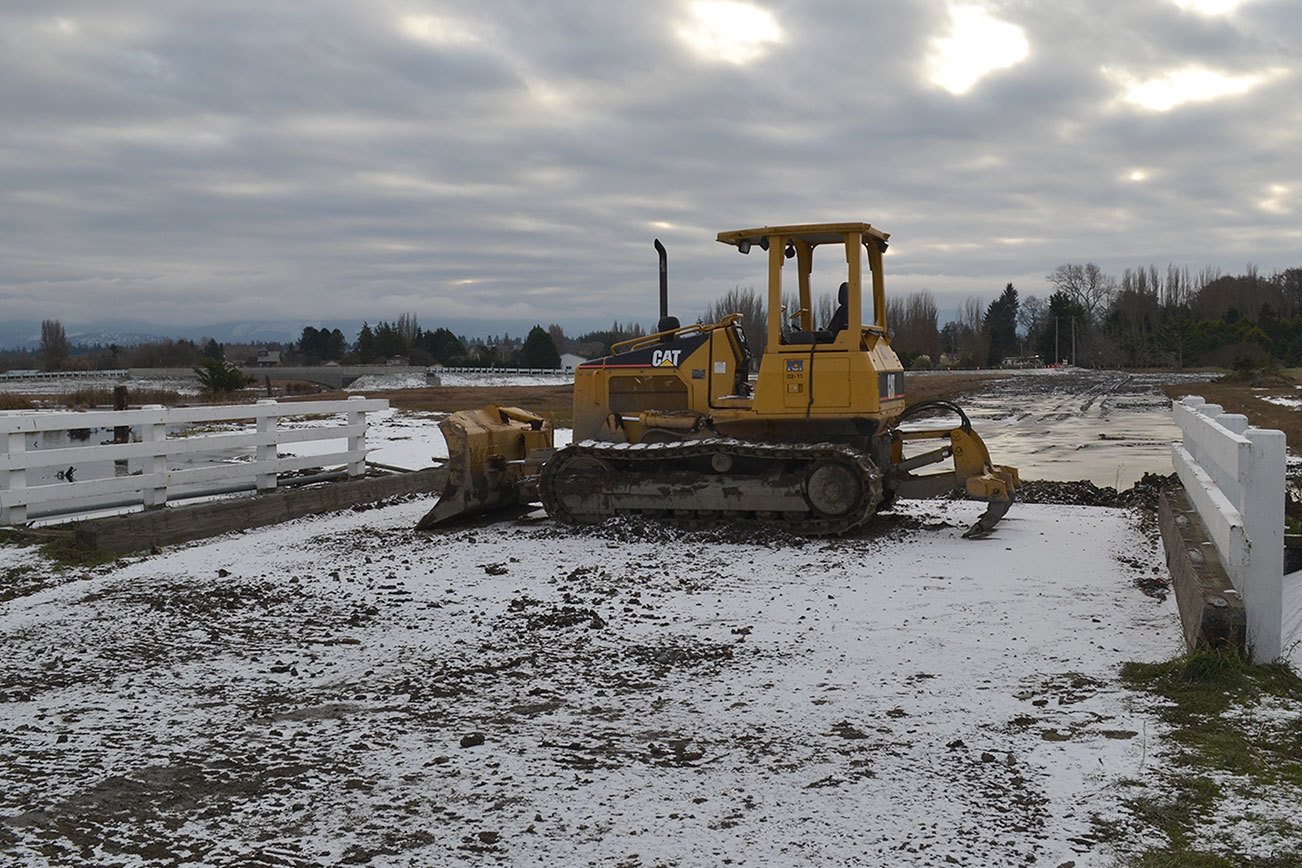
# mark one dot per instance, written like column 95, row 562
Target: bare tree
column 1031, row 316
column 754, row 322
column 972, row 320
column 914, row 319
column 408, row 328
column 557, row 334
column 54, row 344
column 1086, row 285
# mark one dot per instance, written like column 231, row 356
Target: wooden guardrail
column 1233, row 476
column 462, row 369
column 44, row 470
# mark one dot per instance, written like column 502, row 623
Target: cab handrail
column 657, row 337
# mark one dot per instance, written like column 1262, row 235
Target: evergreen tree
column 1001, row 325
column 366, row 350
column 539, row 351
column 444, row 346
column 335, row 345
column 211, row 350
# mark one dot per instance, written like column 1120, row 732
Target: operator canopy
column 812, row 234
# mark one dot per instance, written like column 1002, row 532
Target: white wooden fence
column 43, row 473
column 464, row 369
column 1234, row 476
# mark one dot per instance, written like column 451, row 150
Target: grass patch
column 101, row 396
column 61, row 551
column 1222, row 741
column 15, row 402
column 61, row 561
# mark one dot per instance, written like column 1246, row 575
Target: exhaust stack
column 664, row 279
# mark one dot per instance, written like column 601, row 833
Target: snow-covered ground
column 409, row 439
column 454, row 379
column 179, row 385
column 380, row 382
column 317, row 691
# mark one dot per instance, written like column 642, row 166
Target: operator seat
column 841, row 318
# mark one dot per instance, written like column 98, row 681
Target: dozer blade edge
column 492, row 462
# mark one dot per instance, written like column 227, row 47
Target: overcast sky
column 191, row 162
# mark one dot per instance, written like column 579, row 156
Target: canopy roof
column 812, row 233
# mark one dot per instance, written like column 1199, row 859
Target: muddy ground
column 1107, row 427
column 343, row 690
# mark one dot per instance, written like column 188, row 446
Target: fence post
column 15, row 480
column 267, row 451
column 358, row 442
column 1261, row 494
column 156, row 464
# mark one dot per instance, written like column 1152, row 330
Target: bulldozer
column 673, row 425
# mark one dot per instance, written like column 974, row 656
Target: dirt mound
column 1142, row 495
column 1261, row 379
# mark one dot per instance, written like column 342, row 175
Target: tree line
column 1147, row 317
column 404, row 338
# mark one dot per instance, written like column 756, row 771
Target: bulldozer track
column 673, row 485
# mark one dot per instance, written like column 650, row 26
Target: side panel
column 844, row 384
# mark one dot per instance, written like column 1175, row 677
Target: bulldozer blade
column 489, row 462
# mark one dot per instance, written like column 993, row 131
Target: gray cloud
column 190, row 163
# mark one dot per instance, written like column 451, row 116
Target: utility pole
column 1057, row 355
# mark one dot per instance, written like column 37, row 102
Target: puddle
column 1107, row 427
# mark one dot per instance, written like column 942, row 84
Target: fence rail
column 39, row 464
column 1233, row 475
column 62, row 375
column 473, row 370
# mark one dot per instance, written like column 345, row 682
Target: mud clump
column 691, row 531
column 1143, row 495
column 1259, row 378
column 566, row 616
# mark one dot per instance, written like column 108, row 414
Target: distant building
column 569, row 361
column 268, row 358
column 397, row 362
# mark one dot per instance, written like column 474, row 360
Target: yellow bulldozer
column 673, row 426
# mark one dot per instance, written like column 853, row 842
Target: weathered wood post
column 121, row 433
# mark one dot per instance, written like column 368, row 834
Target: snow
column 1292, row 403
column 378, row 382
column 560, row 378
column 897, row 697
column 179, row 385
column 409, row 439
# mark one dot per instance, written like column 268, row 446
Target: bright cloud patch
column 1209, row 7
column 438, row 30
column 1180, row 86
column 729, row 30
column 978, row 44
column 1278, row 200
